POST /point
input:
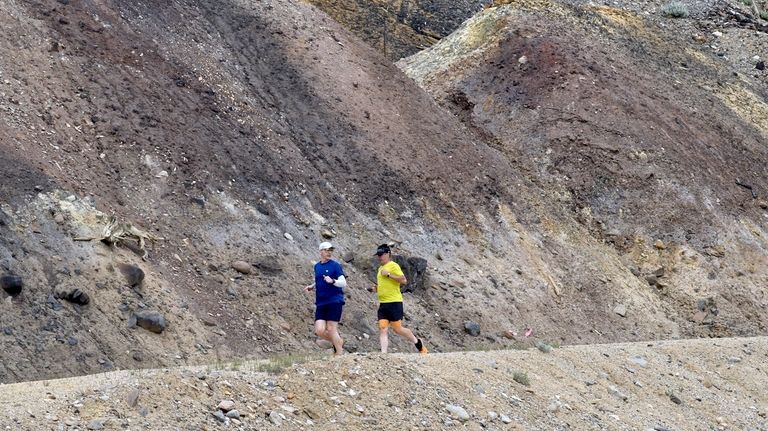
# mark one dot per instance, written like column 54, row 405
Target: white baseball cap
column 326, row 246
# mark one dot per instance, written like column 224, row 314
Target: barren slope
column 221, row 130
column 657, row 148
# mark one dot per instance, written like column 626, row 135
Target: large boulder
column 414, row 268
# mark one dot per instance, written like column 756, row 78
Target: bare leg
column 383, row 339
column 321, row 329
column 405, row 333
column 332, row 330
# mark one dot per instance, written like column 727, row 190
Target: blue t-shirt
column 327, row 293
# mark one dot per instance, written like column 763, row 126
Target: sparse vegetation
column 746, row 2
column 764, row 15
column 675, row 9
column 544, row 347
column 277, row 364
column 521, row 377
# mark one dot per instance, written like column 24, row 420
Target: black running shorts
column 392, row 311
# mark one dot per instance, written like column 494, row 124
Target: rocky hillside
column 654, row 143
column 667, row 385
column 399, row 28
column 240, row 132
column 577, row 195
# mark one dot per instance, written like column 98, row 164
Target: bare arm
column 398, row 278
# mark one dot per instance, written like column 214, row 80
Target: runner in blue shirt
column 329, row 297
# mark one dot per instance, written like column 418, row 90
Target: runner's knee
column 383, row 324
column 397, row 325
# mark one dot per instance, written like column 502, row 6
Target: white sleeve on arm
column 340, row 282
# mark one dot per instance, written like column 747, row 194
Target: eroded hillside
column 250, row 131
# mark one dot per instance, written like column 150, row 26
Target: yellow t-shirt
column 389, row 289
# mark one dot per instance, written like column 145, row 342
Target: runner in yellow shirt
column 389, row 278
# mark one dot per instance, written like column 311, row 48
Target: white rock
column 288, row 236
column 275, row 418
column 639, row 360
column 458, row 412
column 717, row 34
column 506, row 419
column 621, row 310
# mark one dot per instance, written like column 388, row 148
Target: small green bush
column 675, row 9
column 521, row 377
column 764, row 15
column 746, row 2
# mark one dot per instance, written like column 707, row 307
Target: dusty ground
column 667, row 385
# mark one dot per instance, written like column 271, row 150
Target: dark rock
column 151, row 321
column 53, row 303
column 72, row 341
column 472, row 328
column 137, row 356
column 760, row 65
column 652, row 280
column 675, row 399
column 132, row 273
column 75, row 296
column 262, row 209
column 198, row 200
column 12, row 284
column 7, row 331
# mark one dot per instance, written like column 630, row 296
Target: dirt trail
column 667, row 385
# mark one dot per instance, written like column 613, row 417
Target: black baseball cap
column 383, row 249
